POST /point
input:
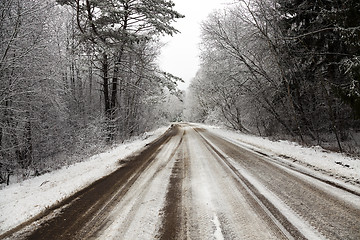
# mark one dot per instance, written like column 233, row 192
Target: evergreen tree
column 324, row 37
column 321, row 53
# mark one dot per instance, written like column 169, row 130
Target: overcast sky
column 180, row 54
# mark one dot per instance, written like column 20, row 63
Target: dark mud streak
column 173, row 219
column 87, row 202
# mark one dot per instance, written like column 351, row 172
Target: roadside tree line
column 76, row 75
column 282, row 68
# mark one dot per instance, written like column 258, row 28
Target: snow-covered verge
column 334, row 164
column 22, row 201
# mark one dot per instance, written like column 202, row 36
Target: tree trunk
column 114, row 88
column 105, row 71
column 90, row 82
column 114, row 92
column 8, row 178
column 28, row 151
column 1, row 136
column 331, row 115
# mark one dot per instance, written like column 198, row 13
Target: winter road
column 192, row 184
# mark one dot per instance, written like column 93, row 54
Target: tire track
column 78, row 211
column 269, row 211
column 333, row 217
column 203, row 202
column 173, row 218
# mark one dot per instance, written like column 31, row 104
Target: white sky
column 180, row 54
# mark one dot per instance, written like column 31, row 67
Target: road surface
column 192, row 184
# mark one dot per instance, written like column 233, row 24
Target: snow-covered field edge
column 22, row 201
column 340, row 167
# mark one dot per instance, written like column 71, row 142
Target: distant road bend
column 192, row 184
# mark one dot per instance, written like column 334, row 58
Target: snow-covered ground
column 338, row 165
column 19, row 202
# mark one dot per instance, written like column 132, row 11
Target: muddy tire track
column 79, row 210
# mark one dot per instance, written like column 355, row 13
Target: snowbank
column 19, row 202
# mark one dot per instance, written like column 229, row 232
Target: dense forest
column 282, row 68
column 78, row 75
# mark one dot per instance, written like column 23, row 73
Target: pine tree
column 115, row 27
column 321, row 37
column 325, row 35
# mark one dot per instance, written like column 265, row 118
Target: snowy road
column 192, row 184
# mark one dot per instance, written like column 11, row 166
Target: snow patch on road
column 217, row 234
column 22, row 201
